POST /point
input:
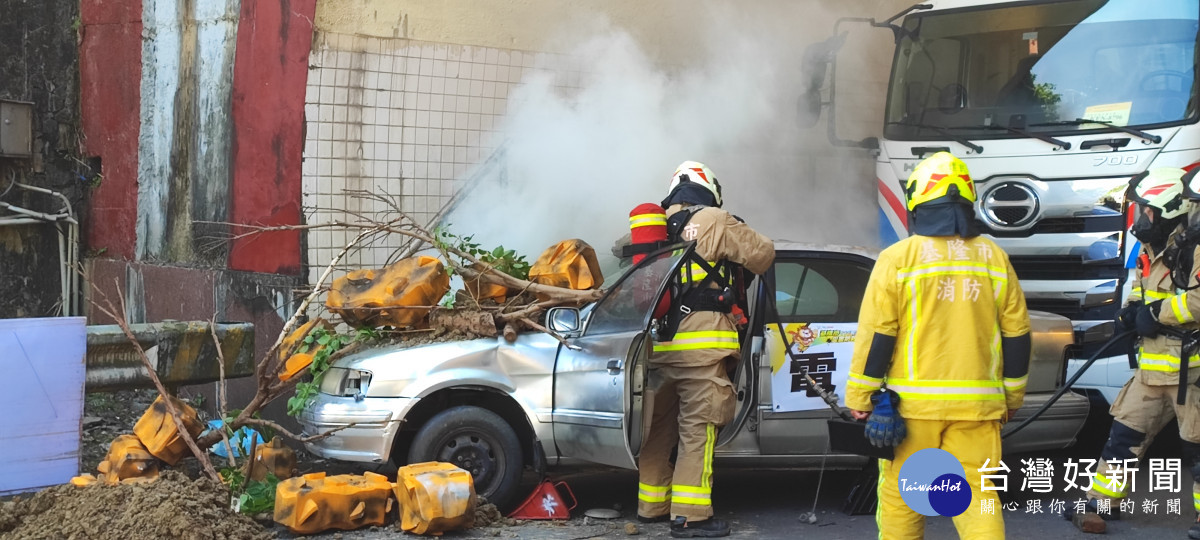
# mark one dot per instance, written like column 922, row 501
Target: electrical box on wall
column 16, row 129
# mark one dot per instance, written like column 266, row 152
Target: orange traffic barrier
column 275, row 458
column 400, row 295
column 482, row 290
column 314, row 502
column 435, row 497
column 570, row 264
column 156, row 429
column 293, row 361
column 127, row 459
column 83, row 480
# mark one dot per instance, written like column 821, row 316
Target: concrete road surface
column 766, row 504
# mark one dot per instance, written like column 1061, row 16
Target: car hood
column 407, row 371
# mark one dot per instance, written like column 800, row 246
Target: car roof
column 788, row 245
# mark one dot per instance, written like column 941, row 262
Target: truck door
column 593, row 382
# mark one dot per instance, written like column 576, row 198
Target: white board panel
column 41, row 401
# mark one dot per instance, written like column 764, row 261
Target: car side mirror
column 563, row 320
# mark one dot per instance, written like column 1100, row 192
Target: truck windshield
column 1043, row 66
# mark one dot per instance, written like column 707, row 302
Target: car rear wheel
column 478, row 441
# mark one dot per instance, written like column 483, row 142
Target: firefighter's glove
column 1126, row 318
column 885, row 427
column 1147, row 324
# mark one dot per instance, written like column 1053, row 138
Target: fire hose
column 1115, row 340
column 831, row 399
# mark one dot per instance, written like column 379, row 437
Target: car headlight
column 345, row 382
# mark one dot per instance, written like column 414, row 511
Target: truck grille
column 1064, row 267
column 1061, row 307
column 1061, row 225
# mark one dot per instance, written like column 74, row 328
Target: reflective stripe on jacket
column 1158, row 357
column 948, row 301
column 707, row 337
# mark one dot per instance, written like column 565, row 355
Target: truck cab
column 1054, row 105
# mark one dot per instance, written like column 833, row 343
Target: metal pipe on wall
column 68, row 244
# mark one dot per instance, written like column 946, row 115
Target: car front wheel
column 478, row 441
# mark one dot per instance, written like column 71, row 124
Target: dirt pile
column 487, row 515
column 171, row 507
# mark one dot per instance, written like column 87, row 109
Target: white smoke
column 577, row 160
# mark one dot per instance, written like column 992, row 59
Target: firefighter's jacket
column 947, row 301
column 1158, row 357
column 707, row 337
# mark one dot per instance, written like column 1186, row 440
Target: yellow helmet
column 933, row 177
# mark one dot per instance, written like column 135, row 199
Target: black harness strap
column 689, row 294
column 1189, row 342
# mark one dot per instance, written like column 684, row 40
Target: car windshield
column 1043, row 67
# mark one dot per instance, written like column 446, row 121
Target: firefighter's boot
column 1091, row 520
column 1092, row 507
column 708, row 528
column 1194, row 531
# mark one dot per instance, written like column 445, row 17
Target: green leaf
column 324, row 339
column 295, row 405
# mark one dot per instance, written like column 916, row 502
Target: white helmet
column 699, row 173
column 1160, row 188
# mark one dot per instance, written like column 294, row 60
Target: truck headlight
column 345, row 382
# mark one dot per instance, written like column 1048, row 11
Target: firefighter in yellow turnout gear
column 691, row 394
column 1160, row 308
column 943, row 324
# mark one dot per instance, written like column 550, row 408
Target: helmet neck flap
column 952, row 216
column 689, row 193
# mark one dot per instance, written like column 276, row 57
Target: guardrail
column 182, row 353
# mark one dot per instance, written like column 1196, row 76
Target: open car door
column 594, row 382
column 745, row 376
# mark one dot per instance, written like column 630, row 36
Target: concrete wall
column 268, row 98
column 195, row 109
column 38, row 62
column 407, row 99
column 673, row 32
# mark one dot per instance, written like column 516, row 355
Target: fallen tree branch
column 291, row 324
column 119, row 316
column 212, row 330
column 509, row 317
column 552, row 333
column 269, row 424
column 526, row 312
column 488, row 274
column 269, row 385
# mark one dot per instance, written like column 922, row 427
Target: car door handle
column 615, row 366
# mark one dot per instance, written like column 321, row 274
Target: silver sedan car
column 495, row 408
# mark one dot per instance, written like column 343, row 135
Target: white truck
column 1053, row 105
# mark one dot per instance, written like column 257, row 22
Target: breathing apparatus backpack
column 690, row 289
column 1179, row 257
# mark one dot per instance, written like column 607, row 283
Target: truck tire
column 478, row 441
